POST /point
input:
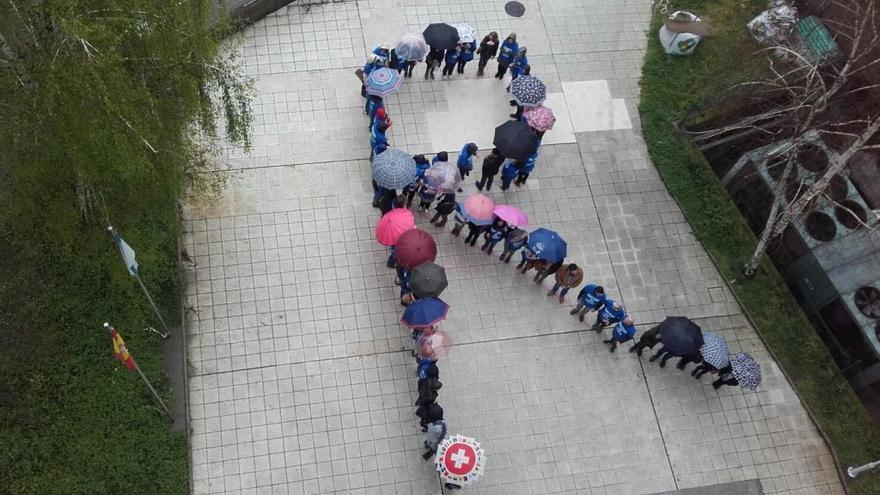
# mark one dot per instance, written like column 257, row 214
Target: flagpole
column 136, row 274
column 144, row 378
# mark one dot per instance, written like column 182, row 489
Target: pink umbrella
column 477, row 208
column 433, row 344
column 393, row 224
column 512, row 215
column 540, row 118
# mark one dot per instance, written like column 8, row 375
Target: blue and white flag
column 128, row 254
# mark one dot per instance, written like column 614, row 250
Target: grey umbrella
column 394, row 169
column 681, row 336
column 428, row 280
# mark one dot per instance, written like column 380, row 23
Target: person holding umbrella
column 451, row 58
column 523, row 175
column 491, row 166
column 680, row 337
column 530, row 260
column 428, row 386
column 509, row 172
column 591, row 298
column 487, row 50
column 496, row 233
column 745, row 370
column 474, row 232
column 427, row 195
column 435, row 433
column 467, row 54
column 411, row 48
column 422, row 165
column 444, row 207
column 516, row 239
column 567, row 279
column 429, row 414
column 433, row 60
column 624, row 331
column 715, row 353
column 508, row 51
column 459, row 219
column 648, row 339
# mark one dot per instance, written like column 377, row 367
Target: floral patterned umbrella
column 539, row 118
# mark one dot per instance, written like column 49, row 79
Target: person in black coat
column 433, row 60
column 491, row 166
column 429, row 414
column 487, row 51
column 429, row 386
column 648, row 339
column 386, row 200
column 444, row 207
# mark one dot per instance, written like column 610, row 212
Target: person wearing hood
column 383, row 54
column 370, row 65
column 550, row 269
column 452, row 56
column 444, row 208
column 487, row 50
column 506, row 55
column 567, row 279
column 429, row 414
column 467, row 54
column 530, row 260
column 518, row 67
column 396, row 62
column 428, row 386
column 649, row 339
column 496, row 233
column 433, row 60
column 611, row 313
column 514, row 240
column 466, row 159
column 591, row 298
column 624, row 331
column 441, row 156
column 491, row 166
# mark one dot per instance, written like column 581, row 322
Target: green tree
column 105, row 109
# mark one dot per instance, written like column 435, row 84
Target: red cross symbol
column 460, row 459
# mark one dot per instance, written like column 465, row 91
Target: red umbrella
column 415, row 247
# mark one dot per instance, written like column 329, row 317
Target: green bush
column 101, row 109
column 672, row 86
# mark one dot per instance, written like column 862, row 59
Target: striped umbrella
column 528, row 91
column 412, row 46
column 394, row 169
column 746, row 370
column 383, row 82
column 539, row 118
column 714, row 350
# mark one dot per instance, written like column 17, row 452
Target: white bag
column 679, row 43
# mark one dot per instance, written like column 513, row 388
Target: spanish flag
column 120, row 351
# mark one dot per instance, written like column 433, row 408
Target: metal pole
column 155, row 309
column 144, row 378
column 855, row 471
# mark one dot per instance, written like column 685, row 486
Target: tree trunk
column 751, row 266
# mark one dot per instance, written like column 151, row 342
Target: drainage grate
column 514, row 9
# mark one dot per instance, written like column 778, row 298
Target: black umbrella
column 428, row 280
column 515, row 140
column 681, row 336
column 441, row 35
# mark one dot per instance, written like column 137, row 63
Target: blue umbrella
column 714, row 350
column 547, row 245
column 746, row 370
column 394, row 169
column 383, row 82
column 424, row 313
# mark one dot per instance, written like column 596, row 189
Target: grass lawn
column 670, row 87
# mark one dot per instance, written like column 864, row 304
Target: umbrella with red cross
column 460, row 460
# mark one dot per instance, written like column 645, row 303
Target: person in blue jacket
column 506, row 54
column 509, row 172
column 378, row 139
column 523, row 175
column 518, row 67
column 374, row 103
column 452, row 56
column 466, row 159
column 591, row 298
column 383, row 54
column 422, row 165
column 611, row 313
column 467, row 54
column 515, row 239
column 624, row 331
column 370, row 65
column 496, row 233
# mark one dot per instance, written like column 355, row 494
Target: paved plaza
column 300, row 375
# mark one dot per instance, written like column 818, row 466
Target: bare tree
column 804, row 97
